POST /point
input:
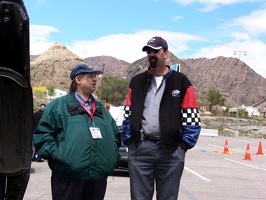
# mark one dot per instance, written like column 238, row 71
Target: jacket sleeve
column 45, row 134
column 191, row 124
column 126, row 133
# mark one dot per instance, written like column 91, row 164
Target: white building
column 252, row 111
column 58, row 93
column 117, row 113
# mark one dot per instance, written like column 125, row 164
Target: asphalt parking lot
column 209, row 173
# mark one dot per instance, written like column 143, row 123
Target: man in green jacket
column 80, row 140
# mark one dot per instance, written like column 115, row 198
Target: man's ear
column 77, row 79
column 166, row 54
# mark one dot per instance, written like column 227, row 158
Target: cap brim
column 97, row 72
column 145, row 48
column 92, row 72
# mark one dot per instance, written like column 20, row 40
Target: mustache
column 153, row 61
column 153, row 58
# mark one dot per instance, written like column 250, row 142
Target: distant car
column 123, row 151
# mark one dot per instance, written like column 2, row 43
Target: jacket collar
column 74, row 108
column 167, row 74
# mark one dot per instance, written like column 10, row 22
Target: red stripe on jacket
column 189, row 100
column 128, row 99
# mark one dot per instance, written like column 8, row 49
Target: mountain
column 110, row 65
column 53, row 67
column 221, row 73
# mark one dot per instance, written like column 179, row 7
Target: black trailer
column 16, row 101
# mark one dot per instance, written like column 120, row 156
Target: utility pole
column 238, row 89
column 101, row 91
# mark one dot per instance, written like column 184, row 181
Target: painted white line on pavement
column 195, row 173
column 245, row 164
column 212, row 145
column 215, row 139
column 246, row 141
column 187, row 193
column 223, row 147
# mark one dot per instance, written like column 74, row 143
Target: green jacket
column 64, row 139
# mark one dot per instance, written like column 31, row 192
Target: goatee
column 153, row 62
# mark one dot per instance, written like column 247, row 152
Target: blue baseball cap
column 81, row 69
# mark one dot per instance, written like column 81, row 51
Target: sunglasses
column 152, row 50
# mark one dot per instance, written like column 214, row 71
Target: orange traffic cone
column 247, row 155
column 226, row 150
column 260, row 149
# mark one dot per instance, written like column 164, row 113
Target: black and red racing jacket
column 178, row 115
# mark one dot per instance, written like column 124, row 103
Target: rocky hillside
column 109, row 65
column 222, row 74
column 219, row 73
column 54, row 66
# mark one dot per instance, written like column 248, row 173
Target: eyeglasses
column 152, row 50
column 91, row 75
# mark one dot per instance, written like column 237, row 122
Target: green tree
column 113, row 90
column 214, row 97
column 200, row 103
column 51, row 91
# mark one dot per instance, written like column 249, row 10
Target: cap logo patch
column 152, row 40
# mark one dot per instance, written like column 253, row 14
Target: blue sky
column 120, row 28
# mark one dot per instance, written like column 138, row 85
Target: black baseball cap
column 156, row 43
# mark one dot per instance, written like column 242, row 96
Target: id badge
column 95, row 133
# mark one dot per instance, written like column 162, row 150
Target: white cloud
column 217, row 2
column 41, row 32
column 40, row 38
column 254, row 23
column 210, row 5
column 243, row 41
column 255, row 52
column 187, row 2
column 128, row 46
column 121, row 46
column 175, row 19
column 240, row 36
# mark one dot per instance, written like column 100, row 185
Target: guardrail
column 209, row 132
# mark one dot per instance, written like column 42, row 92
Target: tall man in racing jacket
column 161, row 123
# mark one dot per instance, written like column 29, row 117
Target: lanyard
column 93, row 108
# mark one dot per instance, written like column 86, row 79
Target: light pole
column 238, row 86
